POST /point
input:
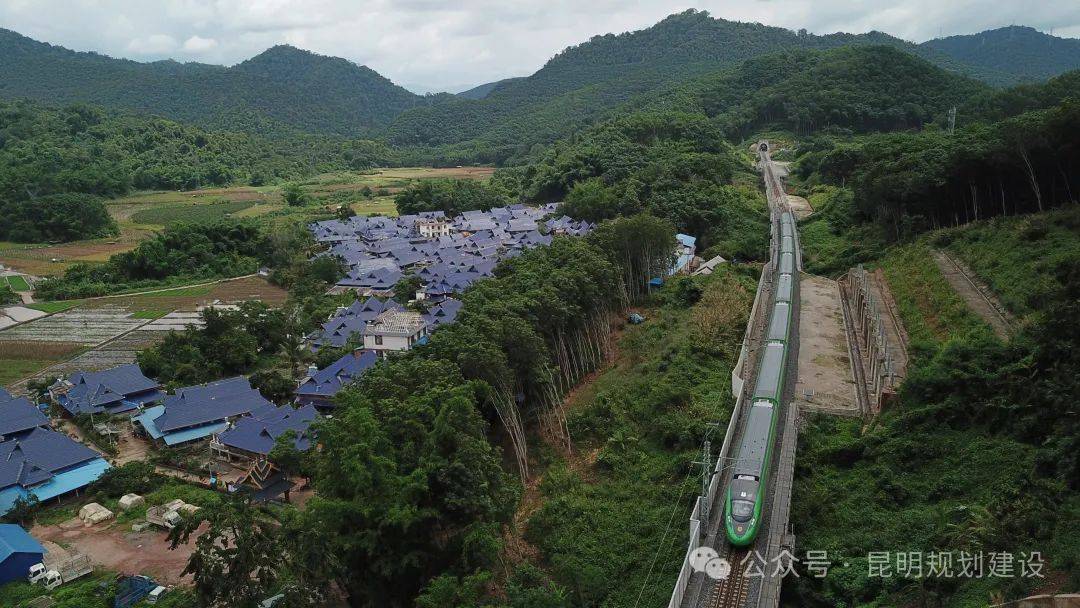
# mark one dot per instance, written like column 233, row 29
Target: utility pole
column 706, row 466
column 952, row 119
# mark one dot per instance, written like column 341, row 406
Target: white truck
column 53, row 574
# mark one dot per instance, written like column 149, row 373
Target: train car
column 784, row 288
column 787, row 263
column 745, row 492
column 743, row 502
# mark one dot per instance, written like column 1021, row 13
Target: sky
column 435, row 45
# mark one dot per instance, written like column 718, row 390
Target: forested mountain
column 1016, row 53
column 584, row 83
column 483, row 90
column 861, row 89
column 284, row 84
column 285, row 89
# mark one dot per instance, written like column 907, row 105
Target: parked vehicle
column 131, row 590
column 53, row 575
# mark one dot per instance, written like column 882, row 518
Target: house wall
column 17, row 565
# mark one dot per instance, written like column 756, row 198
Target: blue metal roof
column 94, row 389
column 19, row 415
column 13, row 539
column 36, row 456
column 198, row 405
column 329, row 380
column 191, row 434
column 67, row 481
column 258, row 434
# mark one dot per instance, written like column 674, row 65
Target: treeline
column 81, row 149
column 55, row 217
column 671, row 165
column 451, row 196
column 178, row 253
column 911, row 182
column 285, row 86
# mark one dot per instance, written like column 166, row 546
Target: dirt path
column 978, row 299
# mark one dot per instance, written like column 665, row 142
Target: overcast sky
column 430, row 45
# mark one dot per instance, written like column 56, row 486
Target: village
column 61, row 437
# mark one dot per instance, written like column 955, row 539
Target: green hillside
column 286, row 85
column 1015, row 54
column 861, row 89
column 585, row 83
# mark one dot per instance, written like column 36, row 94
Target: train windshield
column 741, row 510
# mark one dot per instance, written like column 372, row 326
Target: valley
column 687, row 300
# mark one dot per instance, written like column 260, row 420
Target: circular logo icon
column 700, row 558
column 718, row 568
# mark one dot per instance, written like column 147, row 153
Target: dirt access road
column 112, row 546
column 978, row 299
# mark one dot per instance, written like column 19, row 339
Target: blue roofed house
column 18, row 551
column 46, row 464
column 320, row 385
column 198, row 412
column 18, row 416
column 118, row 390
column 253, row 437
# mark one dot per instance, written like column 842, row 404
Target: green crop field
column 189, row 212
column 18, row 284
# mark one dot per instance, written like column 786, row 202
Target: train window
column 741, row 510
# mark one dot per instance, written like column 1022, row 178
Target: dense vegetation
column 605, row 510
column 980, row 452
column 910, row 182
column 674, row 166
column 49, row 150
column 1011, row 55
column 282, row 89
column 858, row 89
column 178, row 253
column 451, row 196
column 55, row 217
column 586, row 83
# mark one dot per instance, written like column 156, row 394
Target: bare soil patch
column 824, row 381
column 116, row 547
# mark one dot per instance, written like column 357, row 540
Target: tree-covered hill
column 483, row 90
column 861, row 89
column 294, row 87
column 1016, row 54
column 48, row 150
column 584, row 84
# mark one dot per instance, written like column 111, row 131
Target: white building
column 394, row 330
column 432, row 228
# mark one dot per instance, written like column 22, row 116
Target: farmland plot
column 80, row 326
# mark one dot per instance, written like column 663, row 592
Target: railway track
column 732, row 591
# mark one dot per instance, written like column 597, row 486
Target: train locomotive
column 746, row 489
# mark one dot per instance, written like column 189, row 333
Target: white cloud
column 198, row 44
column 434, row 44
column 154, row 44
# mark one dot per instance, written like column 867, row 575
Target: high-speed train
column 746, row 488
